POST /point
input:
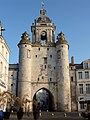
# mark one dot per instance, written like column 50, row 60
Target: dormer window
column 86, row 65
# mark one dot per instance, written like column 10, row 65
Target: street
column 50, row 116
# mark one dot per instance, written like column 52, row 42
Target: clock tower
column 43, row 30
column 44, row 66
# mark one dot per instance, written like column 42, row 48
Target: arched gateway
column 45, row 99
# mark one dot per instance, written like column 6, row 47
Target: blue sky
column 72, row 17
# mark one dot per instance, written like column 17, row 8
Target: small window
column 58, row 54
column 36, row 56
column 48, row 49
column 42, row 77
column 50, row 79
column 25, row 45
column 54, row 68
column 50, row 56
column 71, row 79
column 2, row 50
column 38, row 79
column 39, row 49
column 28, row 54
column 45, row 66
column 45, row 60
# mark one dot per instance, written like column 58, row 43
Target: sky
column 72, row 17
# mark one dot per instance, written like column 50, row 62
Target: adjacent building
column 4, row 62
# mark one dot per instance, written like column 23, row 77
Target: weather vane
column 42, row 3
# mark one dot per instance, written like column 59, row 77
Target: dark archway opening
column 43, row 37
column 44, row 99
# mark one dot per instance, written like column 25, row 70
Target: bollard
column 65, row 115
column 40, row 114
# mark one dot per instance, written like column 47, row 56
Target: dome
column 43, row 19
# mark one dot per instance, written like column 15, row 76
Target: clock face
column 43, row 33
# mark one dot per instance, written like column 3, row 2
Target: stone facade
column 43, row 63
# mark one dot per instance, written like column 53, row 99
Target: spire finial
column 42, row 4
column 1, row 29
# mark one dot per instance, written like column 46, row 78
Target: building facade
column 80, row 80
column 44, row 65
column 4, row 62
column 44, row 72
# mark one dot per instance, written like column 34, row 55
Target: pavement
column 50, row 116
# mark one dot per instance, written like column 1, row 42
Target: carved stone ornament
column 61, row 36
column 25, row 36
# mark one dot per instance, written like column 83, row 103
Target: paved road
column 50, row 116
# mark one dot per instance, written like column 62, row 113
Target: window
column 86, row 65
column 71, row 79
column 80, row 75
column 6, row 55
column 36, row 56
column 50, row 79
column 86, row 74
column 50, row 56
column 48, row 49
column 58, row 54
column 87, row 88
column 28, row 54
column 2, row 50
column 42, row 77
column 81, row 105
column 45, row 60
column 45, row 66
column 81, row 88
column 38, row 79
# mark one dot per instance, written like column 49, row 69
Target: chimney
column 72, row 60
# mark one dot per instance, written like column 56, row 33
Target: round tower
column 24, row 76
column 63, row 80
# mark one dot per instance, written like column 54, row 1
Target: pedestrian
column 35, row 110
column 20, row 113
column 28, row 111
column 7, row 114
column 1, row 114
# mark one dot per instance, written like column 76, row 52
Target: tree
column 6, row 99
